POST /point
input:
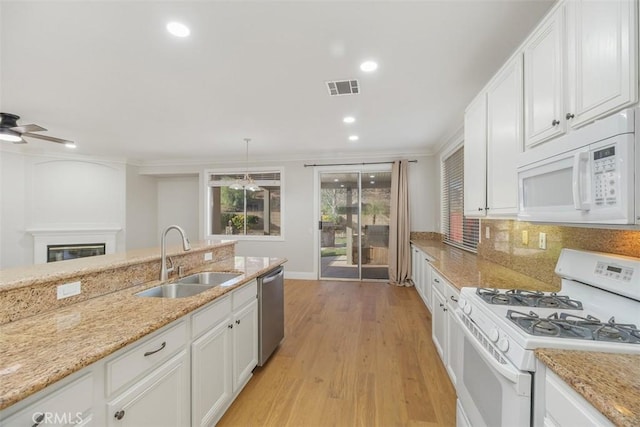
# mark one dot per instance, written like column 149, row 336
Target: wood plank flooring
column 354, row 354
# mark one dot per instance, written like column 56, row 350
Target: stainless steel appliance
column 598, row 309
column 584, row 177
column 270, row 313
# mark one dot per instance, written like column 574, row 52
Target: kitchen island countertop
column 39, row 350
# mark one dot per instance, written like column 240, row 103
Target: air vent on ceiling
column 343, row 87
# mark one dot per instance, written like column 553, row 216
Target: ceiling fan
column 12, row 132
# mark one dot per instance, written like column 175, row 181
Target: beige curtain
column 399, row 226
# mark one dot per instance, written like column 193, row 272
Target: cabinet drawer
column 144, row 357
column 244, row 294
column 62, row 407
column 210, row 316
column 437, row 281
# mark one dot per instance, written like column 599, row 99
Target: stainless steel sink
column 190, row 285
column 174, row 290
column 209, row 278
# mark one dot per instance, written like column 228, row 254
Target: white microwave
column 585, row 177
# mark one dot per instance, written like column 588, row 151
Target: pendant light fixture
column 247, row 182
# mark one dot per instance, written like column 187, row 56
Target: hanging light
column 246, row 182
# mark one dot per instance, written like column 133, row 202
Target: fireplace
column 79, row 250
column 56, row 244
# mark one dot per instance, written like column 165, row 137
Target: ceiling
column 108, row 75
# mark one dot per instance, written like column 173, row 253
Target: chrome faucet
column 164, row 271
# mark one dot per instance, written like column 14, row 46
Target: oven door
column 492, row 392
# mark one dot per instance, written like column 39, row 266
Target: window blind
column 456, row 229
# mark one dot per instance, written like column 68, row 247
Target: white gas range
column 597, row 309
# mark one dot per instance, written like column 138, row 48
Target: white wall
column 56, row 191
column 141, row 209
column 178, row 202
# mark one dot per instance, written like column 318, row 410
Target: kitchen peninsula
column 46, row 340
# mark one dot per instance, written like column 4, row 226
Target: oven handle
column 508, row 371
column 579, row 181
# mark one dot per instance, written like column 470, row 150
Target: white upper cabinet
column 580, row 65
column 544, row 92
column 602, row 70
column 504, row 138
column 475, row 155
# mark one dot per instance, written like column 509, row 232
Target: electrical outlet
column 68, row 290
column 525, row 237
column 487, row 232
column 542, row 240
column 208, row 256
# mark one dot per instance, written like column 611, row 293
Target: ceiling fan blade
column 28, row 128
column 47, row 138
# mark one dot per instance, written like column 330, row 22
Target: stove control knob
column 503, row 344
column 467, row 309
column 494, row 335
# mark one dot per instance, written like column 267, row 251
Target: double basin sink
column 190, row 285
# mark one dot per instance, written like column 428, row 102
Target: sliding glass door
column 354, row 224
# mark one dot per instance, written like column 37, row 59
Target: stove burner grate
column 524, row 298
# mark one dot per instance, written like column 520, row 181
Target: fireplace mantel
column 72, row 234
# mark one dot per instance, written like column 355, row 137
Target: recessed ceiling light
column 70, row 145
column 178, row 29
column 372, row 176
column 349, row 119
column 353, row 138
column 342, row 185
column 373, row 182
column 369, row 66
column 335, row 180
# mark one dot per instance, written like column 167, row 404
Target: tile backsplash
column 506, row 245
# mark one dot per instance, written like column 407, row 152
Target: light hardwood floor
column 354, row 354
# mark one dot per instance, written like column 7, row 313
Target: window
column 243, row 212
column 457, row 230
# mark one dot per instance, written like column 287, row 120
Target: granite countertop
column 609, row 381
column 40, row 350
column 465, row 269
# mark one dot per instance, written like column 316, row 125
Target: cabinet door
column 504, row 139
column 245, row 343
column 439, row 319
column 602, row 58
column 160, row 399
column 426, row 281
column 415, row 268
column 211, row 374
column 475, row 155
column 544, row 100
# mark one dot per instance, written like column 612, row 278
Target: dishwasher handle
column 272, row 275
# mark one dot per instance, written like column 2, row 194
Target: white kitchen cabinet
column 245, row 343
column 421, row 274
column 580, row 64
column 558, row 405
column 475, row 155
column 504, row 138
column 602, row 60
column 69, row 404
column 211, row 379
column 159, row 399
column 544, row 80
column 444, row 325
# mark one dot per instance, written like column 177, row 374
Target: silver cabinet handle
column 436, row 280
column 555, row 122
column 230, row 326
column 570, row 116
column 453, row 299
column 149, row 353
column 119, row 415
column 238, row 322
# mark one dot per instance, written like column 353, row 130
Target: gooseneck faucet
column 164, row 271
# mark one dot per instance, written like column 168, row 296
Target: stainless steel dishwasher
column 270, row 312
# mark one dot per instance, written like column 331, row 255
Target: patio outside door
column 354, row 226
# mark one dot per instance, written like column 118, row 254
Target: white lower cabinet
column 421, row 274
column 245, row 343
column 558, row 405
column 444, row 324
column 160, row 399
column 66, row 405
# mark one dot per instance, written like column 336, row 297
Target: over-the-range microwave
column 587, row 176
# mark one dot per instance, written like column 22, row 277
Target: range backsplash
column 505, row 245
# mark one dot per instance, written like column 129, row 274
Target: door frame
column 375, row 167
